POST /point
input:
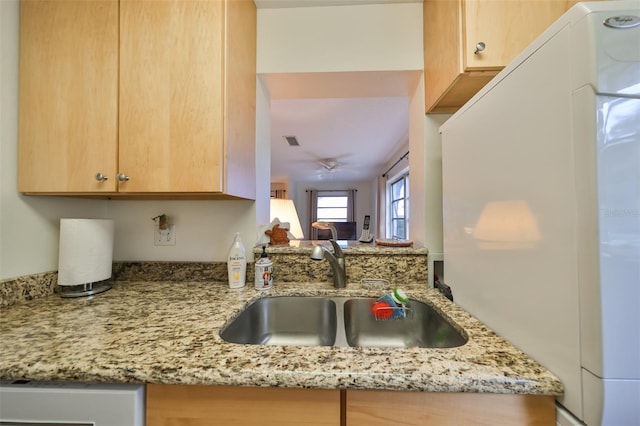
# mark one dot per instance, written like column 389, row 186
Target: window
column 398, row 215
column 332, row 208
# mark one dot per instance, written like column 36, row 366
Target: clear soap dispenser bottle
column 237, row 263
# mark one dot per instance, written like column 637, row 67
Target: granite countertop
column 348, row 246
column 168, row 332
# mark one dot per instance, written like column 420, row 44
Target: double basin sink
column 339, row 321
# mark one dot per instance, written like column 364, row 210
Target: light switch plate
column 165, row 237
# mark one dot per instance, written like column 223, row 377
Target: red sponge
column 381, row 310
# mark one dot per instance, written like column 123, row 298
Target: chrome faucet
column 336, row 260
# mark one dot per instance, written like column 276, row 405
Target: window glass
column 332, row 208
column 398, row 189
column 398, row 209
column 398, row 196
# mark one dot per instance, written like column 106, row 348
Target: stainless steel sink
column 338, row 321
column 422, row 327
column 285, row 320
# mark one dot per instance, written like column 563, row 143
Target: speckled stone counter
column 30, row 287
column 168, row 332
column 349, row 247
column 292, row 263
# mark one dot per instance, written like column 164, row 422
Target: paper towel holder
column 85, row 256
column 82, row 290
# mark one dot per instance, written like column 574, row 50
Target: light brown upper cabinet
column 68, row 107
column 137, row 99
column 467, row 42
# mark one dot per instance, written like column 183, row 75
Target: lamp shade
column 285, row 211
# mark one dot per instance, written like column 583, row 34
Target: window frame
column 332, row 194
column 315, row 194
column 402, row 176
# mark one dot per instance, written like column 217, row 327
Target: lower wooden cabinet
column 169, row 405
column 383, row 408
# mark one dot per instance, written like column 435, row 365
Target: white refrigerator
column 541, row 204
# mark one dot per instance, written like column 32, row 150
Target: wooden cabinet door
column 452, row 29
column 68, row 95
column 169, row 405
column 442, row 51
column 240, row 99
column 383, row 408
column 506, row 27
column 171, row 96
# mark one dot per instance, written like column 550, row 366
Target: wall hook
column 163, row 221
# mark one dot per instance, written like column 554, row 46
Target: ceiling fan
column 330, row 164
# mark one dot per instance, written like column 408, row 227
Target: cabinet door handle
column 100, row 177
column 122, row 177
column 479, row 48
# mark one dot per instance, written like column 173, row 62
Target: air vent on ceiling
column 291, row 140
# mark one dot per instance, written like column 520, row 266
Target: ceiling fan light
column 329, row 163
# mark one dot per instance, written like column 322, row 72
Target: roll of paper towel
column 86, row 251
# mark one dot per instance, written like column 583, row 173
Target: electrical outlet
column 165, row 237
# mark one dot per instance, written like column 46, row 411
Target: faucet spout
column 336, row 261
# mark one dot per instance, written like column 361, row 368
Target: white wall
column 418, row 215
column 433, row 182
column 376, row 37
column 204, row 229
column 263, row 153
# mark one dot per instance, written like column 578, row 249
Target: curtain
column 382, row 207
column 313, row 213
column 351, row 205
